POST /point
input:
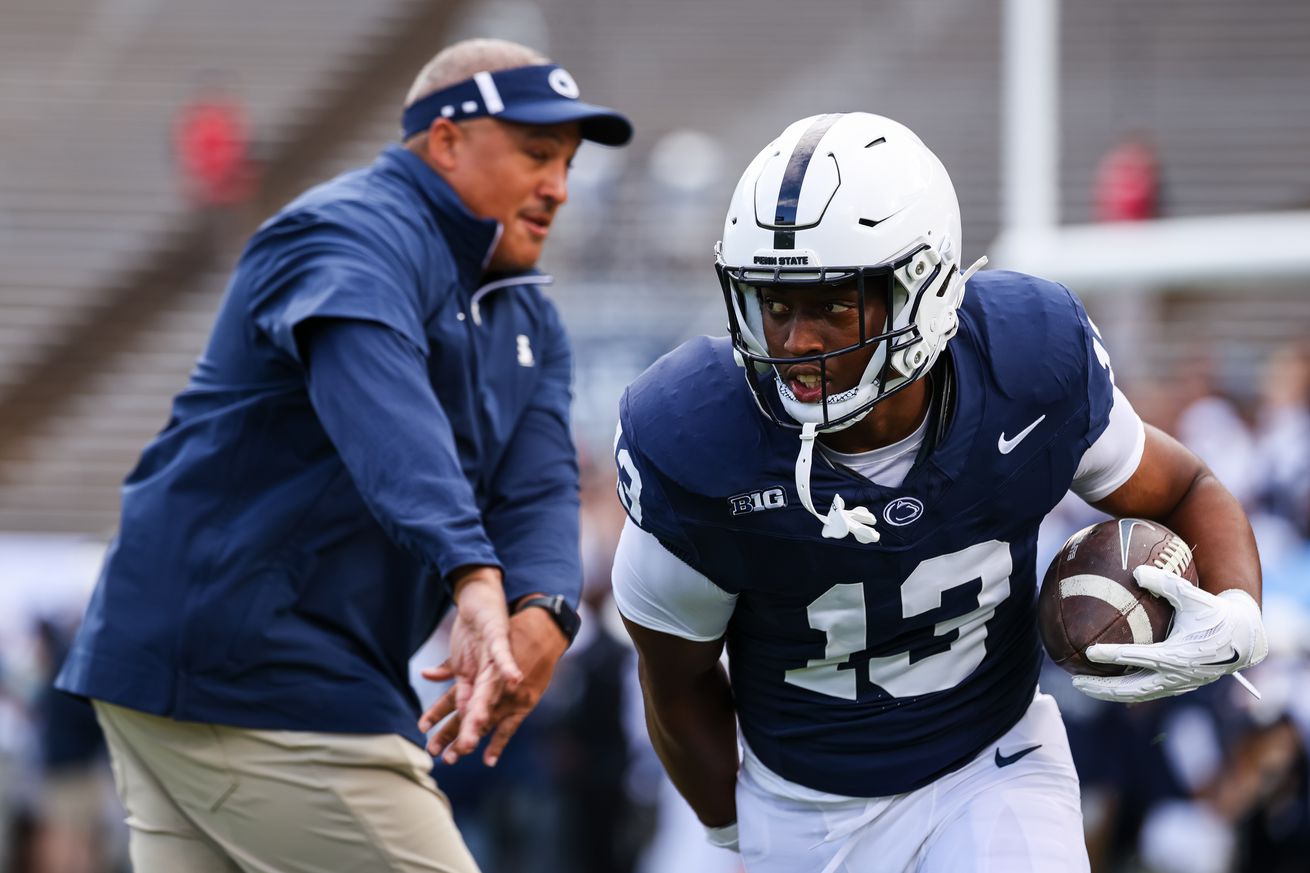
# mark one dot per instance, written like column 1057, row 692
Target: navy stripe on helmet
column 789, row 194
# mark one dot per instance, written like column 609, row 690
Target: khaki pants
column 206, row 798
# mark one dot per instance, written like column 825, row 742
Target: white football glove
column 1212, row 636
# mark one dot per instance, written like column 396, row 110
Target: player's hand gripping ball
column 1089, row 595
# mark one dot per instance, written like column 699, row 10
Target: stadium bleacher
column 89, row 205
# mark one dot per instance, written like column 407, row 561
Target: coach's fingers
column 443, row 707
column 475, row 708
column 504, row 732
column 463, row 692
column 443, row 672
column 503, row 661
column 488, row 628
column 439, row 744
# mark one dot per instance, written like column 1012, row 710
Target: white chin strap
column 857, row 521
column 840, row 521
column 977, row 265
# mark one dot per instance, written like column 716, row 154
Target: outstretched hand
column 1212, row 636
column 537, row 644
column 480, row 660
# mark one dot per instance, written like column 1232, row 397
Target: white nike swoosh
column 1005, row 446
column 1126, row 526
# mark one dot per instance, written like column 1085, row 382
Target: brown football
column 1089, row 595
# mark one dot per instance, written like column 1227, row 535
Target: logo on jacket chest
column 525, row 356
column 758, row 501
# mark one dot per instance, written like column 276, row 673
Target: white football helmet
column 837, row 198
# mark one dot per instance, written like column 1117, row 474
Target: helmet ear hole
column 899, row 314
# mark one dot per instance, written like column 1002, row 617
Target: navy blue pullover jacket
column 371, row 412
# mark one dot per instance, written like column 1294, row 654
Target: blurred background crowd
column 141, row 141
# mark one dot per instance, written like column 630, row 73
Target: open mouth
column 805, row 383
column 805, row 387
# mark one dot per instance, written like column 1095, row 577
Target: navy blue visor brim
column 595, row 123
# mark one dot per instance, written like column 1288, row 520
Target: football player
column 846, row 492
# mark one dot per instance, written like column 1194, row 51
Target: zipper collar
column 504, row 282
column 471, row 240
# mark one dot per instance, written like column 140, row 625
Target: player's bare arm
column 690, row 717
column 1173, row 486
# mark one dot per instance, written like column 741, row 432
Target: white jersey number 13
column 840, row 613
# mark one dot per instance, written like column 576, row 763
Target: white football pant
column 1020, row 817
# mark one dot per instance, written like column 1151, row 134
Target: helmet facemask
column 893, row 366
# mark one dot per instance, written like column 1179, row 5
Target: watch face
column 565, row 616
column 568, row 619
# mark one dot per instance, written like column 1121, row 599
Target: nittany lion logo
column 902, row 511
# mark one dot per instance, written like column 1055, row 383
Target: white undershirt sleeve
column 656, row 590
column 1113, row 458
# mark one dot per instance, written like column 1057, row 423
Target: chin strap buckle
column 857, row 521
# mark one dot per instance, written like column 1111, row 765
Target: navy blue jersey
column 870, row 670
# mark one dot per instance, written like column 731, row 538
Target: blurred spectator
column 71, row 812
column 1211, row 425
column 211, row 144
column 1264, row 791
column 12, row 731
column 589, row 750
column 1128, row 182
column 604, row 826
column 585, row 236
column 683, row 185
column 1283, row 439
column 509, row 816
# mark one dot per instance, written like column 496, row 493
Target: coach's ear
column 444, row 141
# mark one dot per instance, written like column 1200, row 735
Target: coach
column 377, row 429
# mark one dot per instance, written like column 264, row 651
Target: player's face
column 811, row 320
column 518, row 175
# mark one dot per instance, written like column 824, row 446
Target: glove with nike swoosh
column 1212, row 636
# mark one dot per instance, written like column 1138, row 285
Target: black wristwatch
column 565, row 616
